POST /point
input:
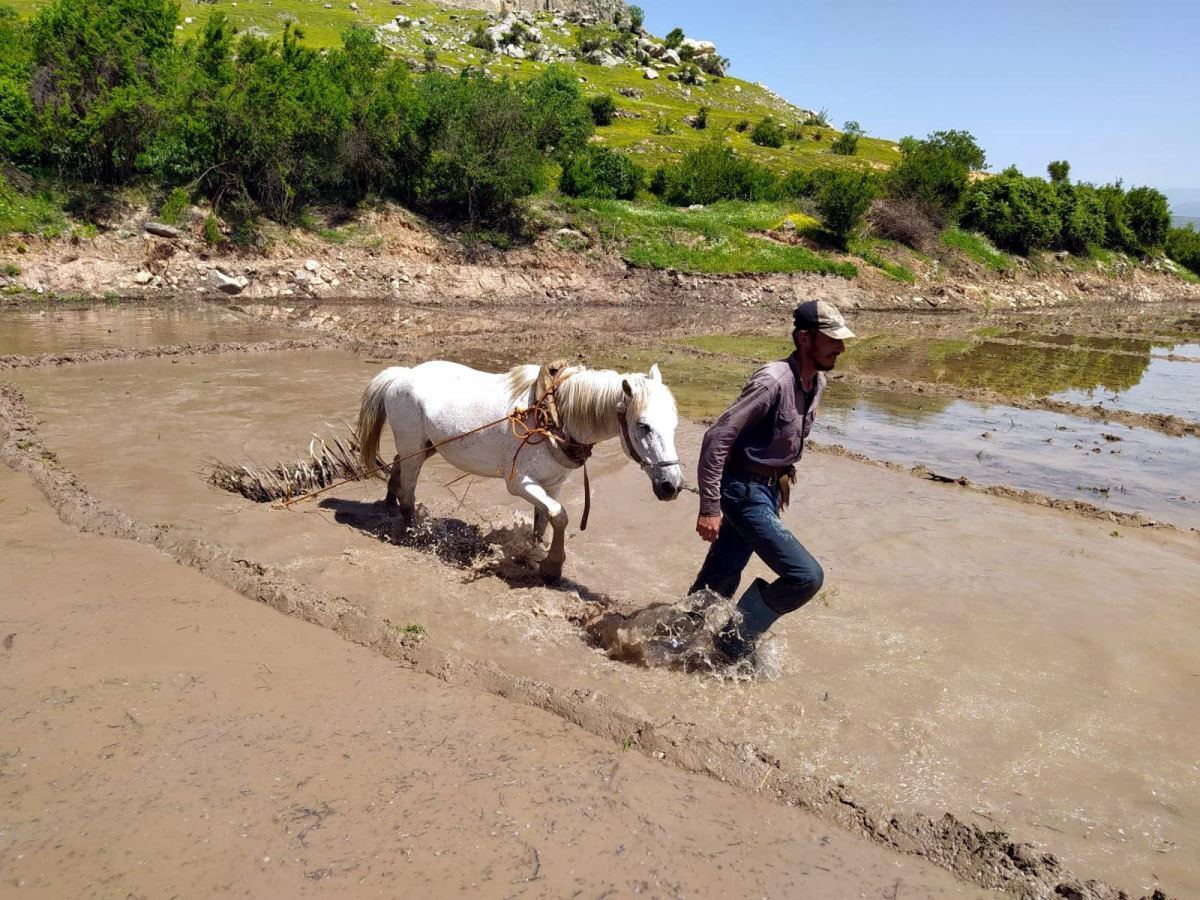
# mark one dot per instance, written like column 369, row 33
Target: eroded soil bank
column 164, row 737
column 1068, row 644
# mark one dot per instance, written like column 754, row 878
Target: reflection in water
column 1016, row 369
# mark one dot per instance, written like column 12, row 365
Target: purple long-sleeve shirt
column 766, row 425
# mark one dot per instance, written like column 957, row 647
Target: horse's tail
column 373, row 413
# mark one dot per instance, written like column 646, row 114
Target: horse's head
column 648, row 420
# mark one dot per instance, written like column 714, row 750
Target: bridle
column 627, row 440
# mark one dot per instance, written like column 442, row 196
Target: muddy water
column 60, row 329
column 1024, row 669
column 1111, row 465
column 1167, row 385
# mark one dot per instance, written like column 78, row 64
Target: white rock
column 354, row 6
column 670, row 57
column 227, row 284
column 142, row 277
column 737, row 88
column 699, row 48
column 649, row 73
column 389, row 26
column 312, row 265
column 188, row 21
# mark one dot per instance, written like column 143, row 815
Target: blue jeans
column 750, row 524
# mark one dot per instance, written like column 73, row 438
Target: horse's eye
column 644, row 427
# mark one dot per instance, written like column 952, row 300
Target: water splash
column 679, row 636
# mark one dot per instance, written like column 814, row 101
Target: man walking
column 747, row 464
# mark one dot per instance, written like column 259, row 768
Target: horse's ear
column 626, row 388
column 655, row 375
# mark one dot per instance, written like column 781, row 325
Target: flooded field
column 57, row 328
column 946, row 616
column 1027, row 670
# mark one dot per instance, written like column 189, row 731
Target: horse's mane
column 586, row 398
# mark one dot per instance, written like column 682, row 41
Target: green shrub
column 798, row 183
column 1183, row 246
column 1059, row 171
column 846, row 143
column 742, row 125
column 603, row 108
column 1149, row 218
column 674, row 38
column 1016, row 212
column 174, row 206
column 482, row 40
column 768, row 133
column 700, row 120
column 597, row 171
column 18, row 136
column 658, row 181
column 715, row 172
column 933, row 173
column 843, row 198
column 662, row 125
column 212, row 231
column 430, row 56
column 1082, row 211
column 591, row 39
column 637, row 17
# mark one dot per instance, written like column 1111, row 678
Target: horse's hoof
column 550, row 572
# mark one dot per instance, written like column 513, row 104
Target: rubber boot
column 735, row 642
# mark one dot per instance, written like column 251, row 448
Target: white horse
column 434, row 408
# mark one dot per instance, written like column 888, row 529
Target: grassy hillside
column 729, row 99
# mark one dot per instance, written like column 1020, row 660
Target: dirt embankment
column 393, row 256
column 989, row 859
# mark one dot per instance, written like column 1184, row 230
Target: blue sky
column 1112, row 87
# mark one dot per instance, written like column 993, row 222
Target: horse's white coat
column 434, row 403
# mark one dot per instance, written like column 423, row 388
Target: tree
column 1149, row 218
column 700, row 120
column 637, row 16
column 1059, row 171
column 846, row 143
column 1018, row 213
column 843, row 198
column 561, row 118
column 674, row 38
column 1082, row 213
column 96, row 66
column 962, row 146
column 484, row 148
column 932, row 174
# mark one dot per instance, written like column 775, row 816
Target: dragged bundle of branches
column 329, row 459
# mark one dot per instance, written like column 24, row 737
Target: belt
column 769, row 474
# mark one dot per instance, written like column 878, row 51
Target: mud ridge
column 1033, row 498
column 988, row 859
column 51, row 360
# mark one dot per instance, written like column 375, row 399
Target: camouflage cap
column 823, row 316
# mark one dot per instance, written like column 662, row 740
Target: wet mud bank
column 988, row 858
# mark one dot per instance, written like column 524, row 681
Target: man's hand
column 708, row 527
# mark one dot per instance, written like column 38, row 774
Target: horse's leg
column 540, row 518
column 406, row 468
column 551, row 567
column 393, row 488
